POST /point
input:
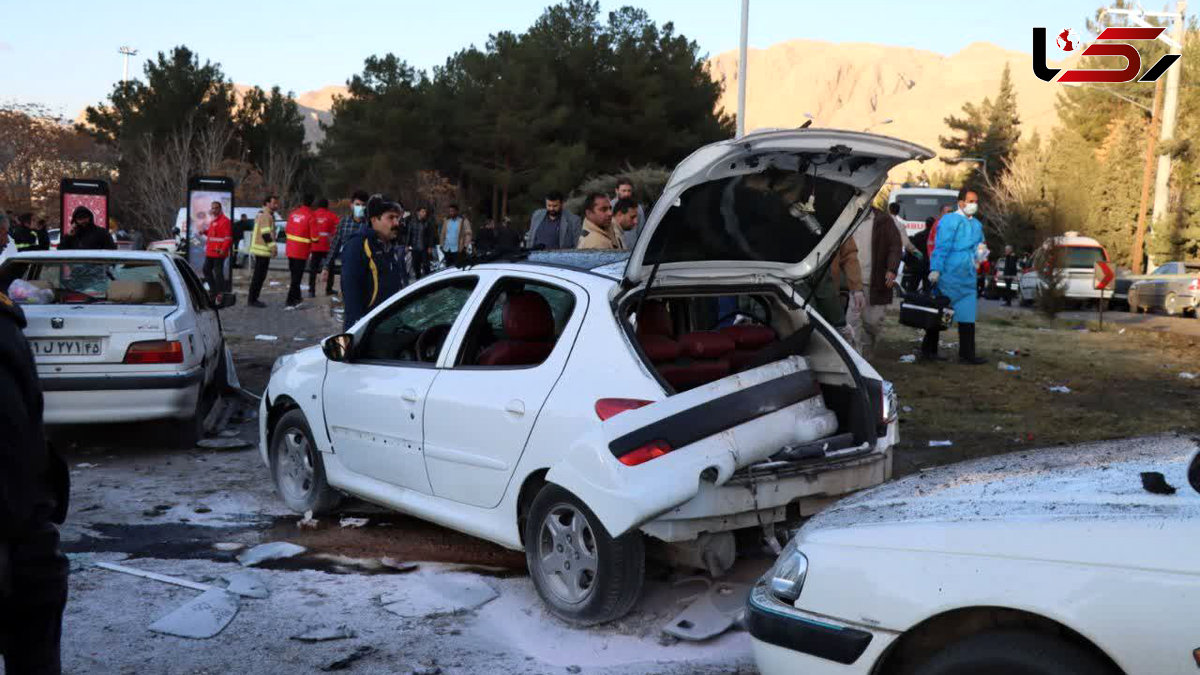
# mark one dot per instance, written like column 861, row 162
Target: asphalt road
column 1182, row 325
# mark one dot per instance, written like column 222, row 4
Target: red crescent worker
column 299, row 245
column 220, row 241
column 325, row 223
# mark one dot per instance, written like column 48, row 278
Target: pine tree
column 989, row 131
column 1118, row 185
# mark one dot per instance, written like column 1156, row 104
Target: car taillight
column 155, row 351
column 607, row 407
column 647, row 452
column 1195, row 285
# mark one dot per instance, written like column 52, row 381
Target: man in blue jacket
column 952, row 269
column 371, row 270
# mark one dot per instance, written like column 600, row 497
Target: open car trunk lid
column 776, row 203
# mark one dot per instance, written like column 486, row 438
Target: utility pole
column 741, row 102
column 1139, row 237
column 1170, row 111
column 126, row 52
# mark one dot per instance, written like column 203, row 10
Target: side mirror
column 337, row 348
column 226, row 300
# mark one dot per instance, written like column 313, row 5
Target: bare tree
column 281, row 171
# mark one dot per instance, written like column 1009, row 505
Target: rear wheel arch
column 927, row 638
column 530, row 487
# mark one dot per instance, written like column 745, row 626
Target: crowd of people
column 379, row 247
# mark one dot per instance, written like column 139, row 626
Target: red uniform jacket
column 220, row 238
column 929, row 243
column 299, row 233
column 325, row 223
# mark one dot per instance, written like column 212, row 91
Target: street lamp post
column 742, row 48
column 126, row 52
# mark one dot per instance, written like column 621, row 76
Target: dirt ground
column 1123, row 382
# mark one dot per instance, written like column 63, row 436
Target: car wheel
column 583, row 575
column 297, row 467
column 1171, row 305
column 1013, row 652
column 190, row 430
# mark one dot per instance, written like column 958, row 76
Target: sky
column 64, row 54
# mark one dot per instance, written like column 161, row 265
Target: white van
column 919, row 203
column 1076, row 257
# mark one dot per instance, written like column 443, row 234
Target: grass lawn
column 1123, row 384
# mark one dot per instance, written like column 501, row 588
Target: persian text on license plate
column 66, row 347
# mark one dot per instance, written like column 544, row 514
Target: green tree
column 989, row 131
column 1117, row 188
column 268, row 120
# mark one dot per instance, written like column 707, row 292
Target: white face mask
column 971, row 208
column 359, row 210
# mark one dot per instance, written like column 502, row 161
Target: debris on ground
column 1155, row 483
column 907, row 408
column 354, row 522
column 1060, row 389
column 940, row 444
column 325, row 634
column 266, row 338
column 398, row 565
column 86, row 465
column 228, row 546
column 711, row 613
column 359, row 653
column 908, row 358
column 154, row 576
column 246, row 584
column 1121, row 332
column 307, row 521
column 440, row 594
column 1188, row 376
column 200, row 618
column 1007, row 367
column 274, row 550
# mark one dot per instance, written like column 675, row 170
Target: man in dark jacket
column 550, row 228
column 1010, row 266
column 371, row 270
column 33, row 498
column 421, row 237
column 28, row 238
column 87, row 235
column 884, row 261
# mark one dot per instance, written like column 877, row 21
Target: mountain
column 858, row 86
column 313, row 105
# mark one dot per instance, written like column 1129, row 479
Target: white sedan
column 572, row 404
column 119, row 336
column 1032, row 563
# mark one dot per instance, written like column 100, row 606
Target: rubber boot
column 966, row 345
column 929, row 346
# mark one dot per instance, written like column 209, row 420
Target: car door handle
column 515, row 407
column 409, row 395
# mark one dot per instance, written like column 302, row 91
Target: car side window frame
column 398, row 305
column 483, row 308
column 195, row 292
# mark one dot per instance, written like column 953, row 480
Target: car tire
column 1171, row 305
column 584, row 576
column 1013, row 652
column 297, row 467
column 190, row 430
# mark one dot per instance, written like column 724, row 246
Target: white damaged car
column 574, row 404
column 1074, row 561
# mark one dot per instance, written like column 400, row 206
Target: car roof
column 939, row 192
column 606, row 264
column 100, row 254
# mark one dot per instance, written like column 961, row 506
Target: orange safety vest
column 324, row 224
column 220, row 238
column 299, row 233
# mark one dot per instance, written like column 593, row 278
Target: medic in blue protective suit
column 952, row 269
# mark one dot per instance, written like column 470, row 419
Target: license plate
column 66, row 347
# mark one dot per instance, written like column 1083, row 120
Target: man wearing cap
column 371, row 270
column 216, row 250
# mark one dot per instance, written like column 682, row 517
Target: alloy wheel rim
column 296, row 465
column 567, row 554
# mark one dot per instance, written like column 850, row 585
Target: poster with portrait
column 203, row 191
column 90, row 194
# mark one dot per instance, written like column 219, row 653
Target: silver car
column 1174, row 287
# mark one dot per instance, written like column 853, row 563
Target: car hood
column 1082, row 504
column 772, row 203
